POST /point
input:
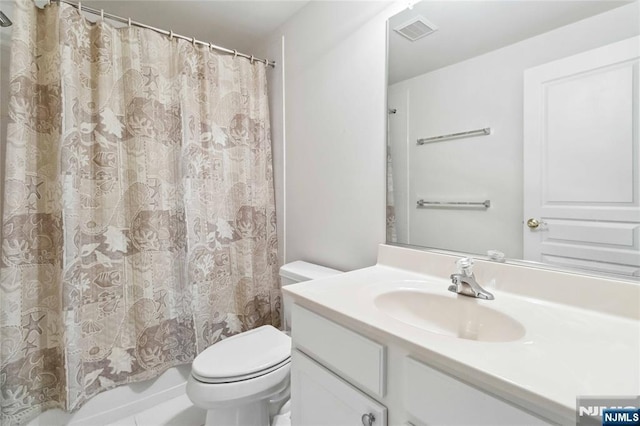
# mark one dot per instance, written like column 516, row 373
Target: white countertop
column 566, row 351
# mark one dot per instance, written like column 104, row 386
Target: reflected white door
column 581, row 160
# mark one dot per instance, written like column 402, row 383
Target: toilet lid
column 243, row 356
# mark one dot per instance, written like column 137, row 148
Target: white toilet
column 244, row 379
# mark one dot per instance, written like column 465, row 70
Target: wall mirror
column 513, row 126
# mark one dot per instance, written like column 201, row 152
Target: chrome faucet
column 464, row 282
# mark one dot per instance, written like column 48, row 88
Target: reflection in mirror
column 513, row 126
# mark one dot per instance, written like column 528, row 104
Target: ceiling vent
column 416, row 28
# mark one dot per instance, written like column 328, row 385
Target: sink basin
column 455, row 316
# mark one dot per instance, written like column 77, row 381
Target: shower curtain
column 139, row 218
column 392, row 236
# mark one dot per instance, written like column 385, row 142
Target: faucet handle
column 465, row 266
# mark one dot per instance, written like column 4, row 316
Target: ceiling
column 232, row 24
column 471, row 28
column 236, row 24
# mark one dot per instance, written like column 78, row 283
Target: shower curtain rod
column 171, row 34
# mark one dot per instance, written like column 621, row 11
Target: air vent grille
column 416, row 28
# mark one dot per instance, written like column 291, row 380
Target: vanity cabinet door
column 320, row 398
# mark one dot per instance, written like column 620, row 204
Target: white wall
column 334, row 132
column 485, row 91
column 273, row 49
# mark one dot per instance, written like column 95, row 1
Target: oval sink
column 461, row 317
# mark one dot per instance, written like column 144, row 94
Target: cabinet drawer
column 433, row 397
column 360, row 360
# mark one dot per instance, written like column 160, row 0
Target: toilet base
column 258, row 413
column 226, row 405
column 253, row 413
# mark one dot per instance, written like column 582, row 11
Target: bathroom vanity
column 391, row 345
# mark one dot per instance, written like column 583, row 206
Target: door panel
column 615, row 235
column 581, row 160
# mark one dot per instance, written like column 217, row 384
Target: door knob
column 368, row 419
column 533, row 223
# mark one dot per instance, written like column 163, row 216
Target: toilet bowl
column 237, row 379
column 244, row 379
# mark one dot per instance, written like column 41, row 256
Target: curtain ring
column 235, row 53
column 210, row 46
column 266, row 62
column 79, row 6
column 193, row 41
column 102, row 14
column 129, row 22
column 251, row 59
column 170, row 34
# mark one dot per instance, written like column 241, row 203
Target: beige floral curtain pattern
column 138, row 220
column 392, row 236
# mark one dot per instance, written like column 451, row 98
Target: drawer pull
column 368, row 419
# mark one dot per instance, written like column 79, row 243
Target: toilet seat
column 249, row 376
column 243, row 357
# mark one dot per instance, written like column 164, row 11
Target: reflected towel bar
column 423, row 203
column 479, row 132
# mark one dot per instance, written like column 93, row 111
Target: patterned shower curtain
column 392, row 236
column 139, row 218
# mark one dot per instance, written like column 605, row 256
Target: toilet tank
column 296, row 272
